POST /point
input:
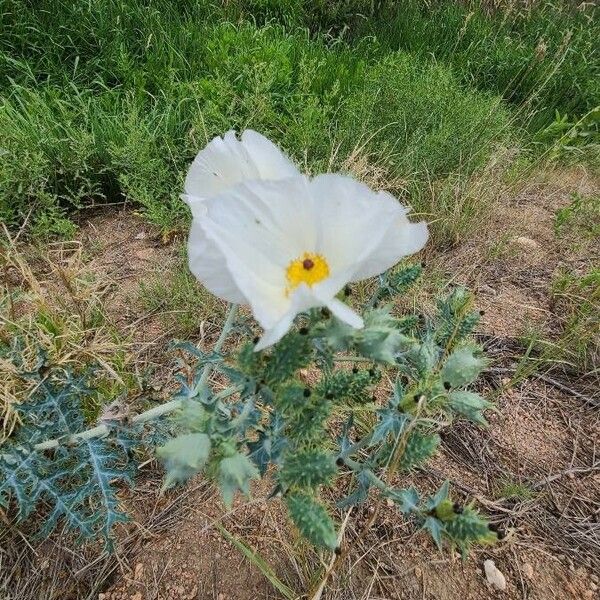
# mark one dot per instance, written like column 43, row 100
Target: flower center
column 310, row 268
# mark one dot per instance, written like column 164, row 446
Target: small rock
column 528, row 570
column 138, row 571
column 494, row 576
column 142, row 235
column 418, row 572
column 101, row 596
column 220, row 596
column 526, row 243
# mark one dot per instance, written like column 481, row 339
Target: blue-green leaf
column 470, row 405
column 235, row 473
column 184, row 456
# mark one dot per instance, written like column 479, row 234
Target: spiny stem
column 153, row 413
column 357, row 446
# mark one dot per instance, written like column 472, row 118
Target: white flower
column 224, row 162
column 286, row 245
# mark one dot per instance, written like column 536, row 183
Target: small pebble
column 494, row 576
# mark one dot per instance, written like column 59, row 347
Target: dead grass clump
column 52, row 313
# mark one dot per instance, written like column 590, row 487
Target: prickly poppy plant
column 288, row 246
column 299, row 404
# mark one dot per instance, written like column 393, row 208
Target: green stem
column 357, row 446
column 373, row 479
column 153, row 413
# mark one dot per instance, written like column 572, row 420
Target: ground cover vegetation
column 457, row 108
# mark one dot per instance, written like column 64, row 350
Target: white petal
column 261, row 226
column 222, row 163
column 208, row 265
column 352, row 222
column 196, row 205
column 402, row 238
column 344, row 313
column 227, row 161
column 270, row 161
column 302, row 299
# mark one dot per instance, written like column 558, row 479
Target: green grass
column 113, row 102
column 577, row 298
column 109, row 101
column 515, row 490
column 543, row 57
column 182, row 305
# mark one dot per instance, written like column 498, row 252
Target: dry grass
column 52, row 310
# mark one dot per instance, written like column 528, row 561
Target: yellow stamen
column 310, row 268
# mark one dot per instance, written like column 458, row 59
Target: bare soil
column 541, row 437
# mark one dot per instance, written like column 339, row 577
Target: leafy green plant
column 79, row 482
column 581, row 218
column 281, row 421
column 268, row 422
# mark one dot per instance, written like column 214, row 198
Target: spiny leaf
column 455, row 319
column 463, row 366
column 184, row 456
column 312, row 520
column 235, row 473
column 470, row 405
column 398, row 282
column 307, row 468
column 270, row 444
column 351, row 385
column 419, row 448
column 435, row 528
column 381, row 339
column 434, row 501
column 338, row 335
column 292, row 353
column 389, row 421
column 407, row 500
column 468, row 528
column 78, row 482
